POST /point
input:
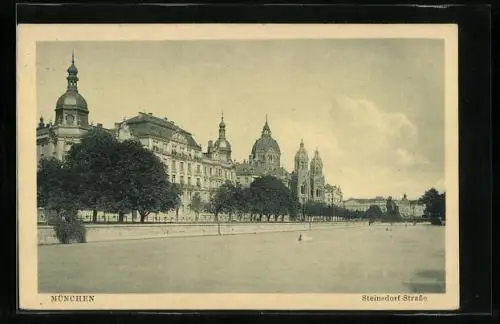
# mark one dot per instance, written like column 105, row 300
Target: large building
column 182, row 156
column 264, row 159
column 308, row 179
column 185, row 162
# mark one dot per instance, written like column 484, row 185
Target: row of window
column 173, row 178
column 207, row 170
column 162, row 146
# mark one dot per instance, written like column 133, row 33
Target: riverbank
column 119, row 232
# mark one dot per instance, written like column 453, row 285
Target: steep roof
column 246, row 168
column 149, row 125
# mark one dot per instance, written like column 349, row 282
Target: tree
column 221, row 200
column 270, row 197
column 393, row 214
column 374, row 212
column 242, row 201
column 196, row 205
column 57, row 190
column 90, row 160
column 119, row 177
column 435, row 205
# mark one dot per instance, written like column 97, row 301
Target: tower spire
column 266, row 130
column 72, row 74
column 222, row 127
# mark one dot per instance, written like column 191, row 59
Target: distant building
column 333, row 195
column 406, row 207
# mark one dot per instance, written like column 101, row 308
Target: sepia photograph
column 249, row 167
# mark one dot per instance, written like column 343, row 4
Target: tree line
column 103, row 174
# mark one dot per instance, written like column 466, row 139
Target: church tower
column 266, row 152
column 317, row 178
column 302, row 174
column 71, row 122
column 222, row 148
column 71, row 108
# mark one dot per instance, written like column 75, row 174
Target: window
column 173, row 165
column 210, row 171
column 198, row 168
column 189, row 180
column 189, row 167
column 182, row 179
column 173, row 178
column 198, row 182
column 303, row 189
column 182, row 166
column 318, row 192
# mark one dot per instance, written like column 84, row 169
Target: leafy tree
column 90, row 160
column 435, row 205
column 241, row 200
column 221, row 200
column 57, row 187
column 374, row 212
column 196, row 205
column 119, row 177
column 270, row 197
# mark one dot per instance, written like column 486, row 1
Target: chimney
column 99, row 125
column 117, row 125
column 150, row 114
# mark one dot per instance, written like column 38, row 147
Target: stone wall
column 100, row 233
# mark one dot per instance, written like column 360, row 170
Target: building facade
column 407, row 208
column 308, row 178
column 184, row 160
column 71, row 120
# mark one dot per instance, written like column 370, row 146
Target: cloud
column 373, row 136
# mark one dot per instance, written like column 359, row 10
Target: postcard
column 238, row 167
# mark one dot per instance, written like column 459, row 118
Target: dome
column 264, row 144
column 71, row 99
column 222, row 144
column 72, row 69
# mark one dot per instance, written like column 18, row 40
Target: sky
column 374, row 108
